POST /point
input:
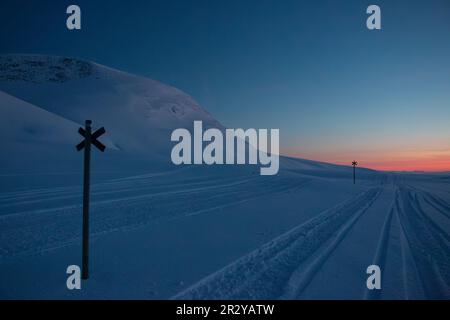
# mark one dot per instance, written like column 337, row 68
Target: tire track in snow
column 438, row 231
column 44, row 230
column 426, row 248
column 413, row 285
column 265, row 273
column 145, row 196
column 301, row 278
column 382, row 248
column 435, row 201
column 436, row 204
column 121, row 191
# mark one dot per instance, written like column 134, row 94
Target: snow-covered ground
column 193, row 232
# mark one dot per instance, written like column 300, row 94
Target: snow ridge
column 42, row 69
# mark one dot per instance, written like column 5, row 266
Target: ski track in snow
column 271, row 271
column 283, row 268
column 34, row 221
column 382, row 247
column 427, row 246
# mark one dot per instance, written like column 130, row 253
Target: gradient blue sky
column 336, row 90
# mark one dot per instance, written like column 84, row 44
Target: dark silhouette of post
column 86, row 190
column 354, row 164
column 89, row 138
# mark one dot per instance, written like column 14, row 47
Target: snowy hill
column 46, row 98
column 35, row 139
column 137, row 112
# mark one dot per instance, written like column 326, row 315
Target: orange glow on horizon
column 406, row 165
column 427, row 161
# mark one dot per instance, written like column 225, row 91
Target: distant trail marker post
column 354, row 164
column 89, row 138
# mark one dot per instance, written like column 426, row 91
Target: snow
column 137, row 112
column 193, row 232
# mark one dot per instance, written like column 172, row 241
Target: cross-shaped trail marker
column 89, row 138
column 354, row 164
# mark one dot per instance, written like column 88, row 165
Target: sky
column 336, row 90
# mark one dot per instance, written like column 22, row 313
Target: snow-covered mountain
column 46, row 98
column 135, row 110
column 43, row 99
